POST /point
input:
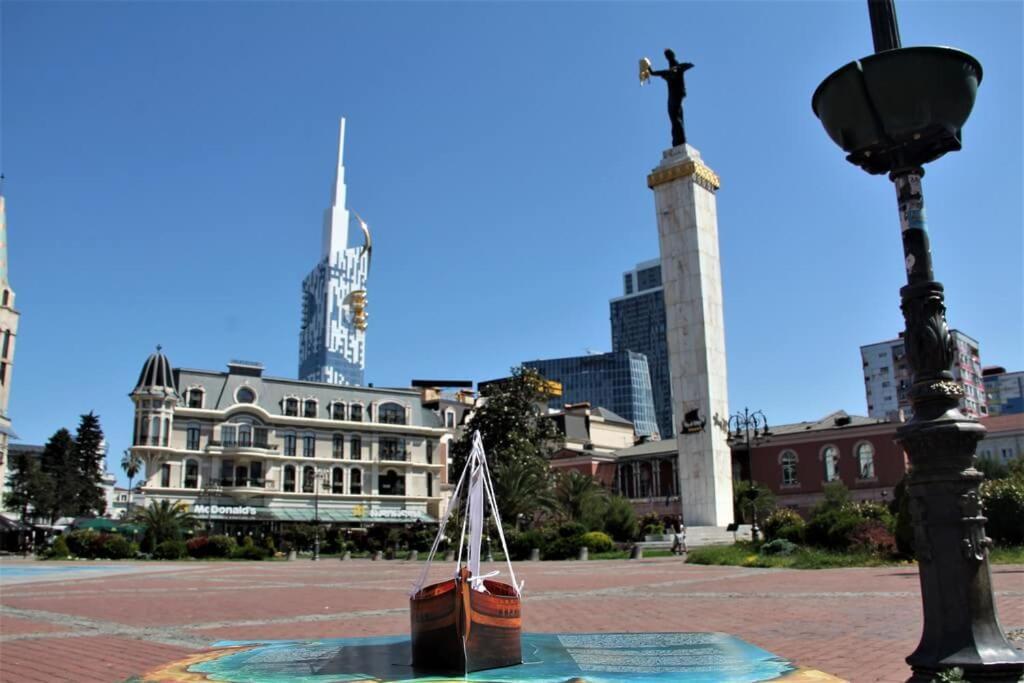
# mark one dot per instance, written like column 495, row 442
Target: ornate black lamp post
column 738, row 427
column 318, row 479
column 893, row 112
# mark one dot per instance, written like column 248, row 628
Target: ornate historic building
column 332, row 341
column 243, row 450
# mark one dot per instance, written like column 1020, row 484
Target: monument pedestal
column 684, row 195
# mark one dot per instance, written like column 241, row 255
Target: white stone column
column 684, row 197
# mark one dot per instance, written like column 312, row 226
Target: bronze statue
column 673, row 76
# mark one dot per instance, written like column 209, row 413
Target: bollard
column 534, row 554
column 584, row 553
column 637, row 553
column 292, row 555
column 449, row 556
column 379, row 555
column 347, row 555
column 414, row 555
column 489, row 558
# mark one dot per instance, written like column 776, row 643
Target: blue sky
column 168, row 165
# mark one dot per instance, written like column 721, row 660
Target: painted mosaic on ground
column 548, row 658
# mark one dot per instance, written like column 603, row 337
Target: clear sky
column 168, row 165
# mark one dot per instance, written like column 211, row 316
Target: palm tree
column 521, row 488
column 164, row 521
column 131, row 463
column 576, row 493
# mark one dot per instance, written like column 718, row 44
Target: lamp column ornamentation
column 738, row 427
column 893, row 112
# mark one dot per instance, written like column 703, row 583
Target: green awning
column 112, row 526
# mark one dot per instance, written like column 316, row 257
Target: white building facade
column 240, row 449
column 887, row 377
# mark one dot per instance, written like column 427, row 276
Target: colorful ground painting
column 548, row 658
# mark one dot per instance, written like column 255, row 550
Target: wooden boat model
column 470, row 622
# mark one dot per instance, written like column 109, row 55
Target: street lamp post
column 211, row 490
column 739, row 426
column 320, row 478
column 893, row 112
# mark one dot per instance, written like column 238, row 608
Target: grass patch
column 745, row 554
column 1013, row 554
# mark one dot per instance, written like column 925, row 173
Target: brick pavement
column 100, row 627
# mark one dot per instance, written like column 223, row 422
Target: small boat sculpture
column 470, row 622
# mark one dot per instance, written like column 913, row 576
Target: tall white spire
column 335, row 236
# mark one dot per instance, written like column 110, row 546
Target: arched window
column 289, row 443
column 866, row 460
column 291, row 407
column 391, row 413
column 449, row 418
column 154, row 431
column 195, row 397
column 192, row 437
column 308, row 445
column 337, row 480
column 338, row 410
column 191, row 474
column 788, row 460
column 357, row 449
column 355, row 412
column 289, row 478
column 391, row 483
column 308, row 479
column 338, row 446
column 355, row 481
column 245, row 435
column 309, row 408
column 830, row 458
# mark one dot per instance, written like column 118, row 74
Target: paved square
column 116, row 620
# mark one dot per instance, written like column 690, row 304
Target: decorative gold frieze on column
column 702, row 175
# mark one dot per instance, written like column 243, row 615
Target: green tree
column 29, row 488
column 131, row 463
column 164, row 521
column 620, row 519
column 753, row 499
column 577, row 494
column 992, row 469
column 513, row 424
column 58, row 466
column 522, row 488
column 88, row 460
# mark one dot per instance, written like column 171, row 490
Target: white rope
column 489, row 488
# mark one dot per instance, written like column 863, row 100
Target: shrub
column 779, row 546
column 269, row 545
column 520, row 545
column 873, row 538
column 82, row 541
column 250, row 551
column 59, row 549
column 786, row 524
column 115, row 547
column 197, row 546
column 620, row 519
column 872, row 510
column 564, row 542
column 220, row 546
column 597, row 541
column 170, row 550
column 651, row 524
column 1003, row 501
column 833, row 528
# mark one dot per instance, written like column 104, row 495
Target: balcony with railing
column 239, row 445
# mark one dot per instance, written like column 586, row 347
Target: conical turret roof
column 156, row 374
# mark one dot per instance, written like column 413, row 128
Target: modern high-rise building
column 887, row 377
column 1004, row 391
column 638, row 324
column 332, row 342
column 8, row 333
column 619, row 381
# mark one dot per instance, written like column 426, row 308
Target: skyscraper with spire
column 8, row 332
column 332, row 342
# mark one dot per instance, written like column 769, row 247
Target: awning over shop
column 108, row 525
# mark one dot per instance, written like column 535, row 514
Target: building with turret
column 332, row 340
column 8, row 333
column 248, row 453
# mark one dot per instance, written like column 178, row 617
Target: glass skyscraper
column 618, row 381
column 638, row 324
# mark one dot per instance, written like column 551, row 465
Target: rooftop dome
column 156, row 373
